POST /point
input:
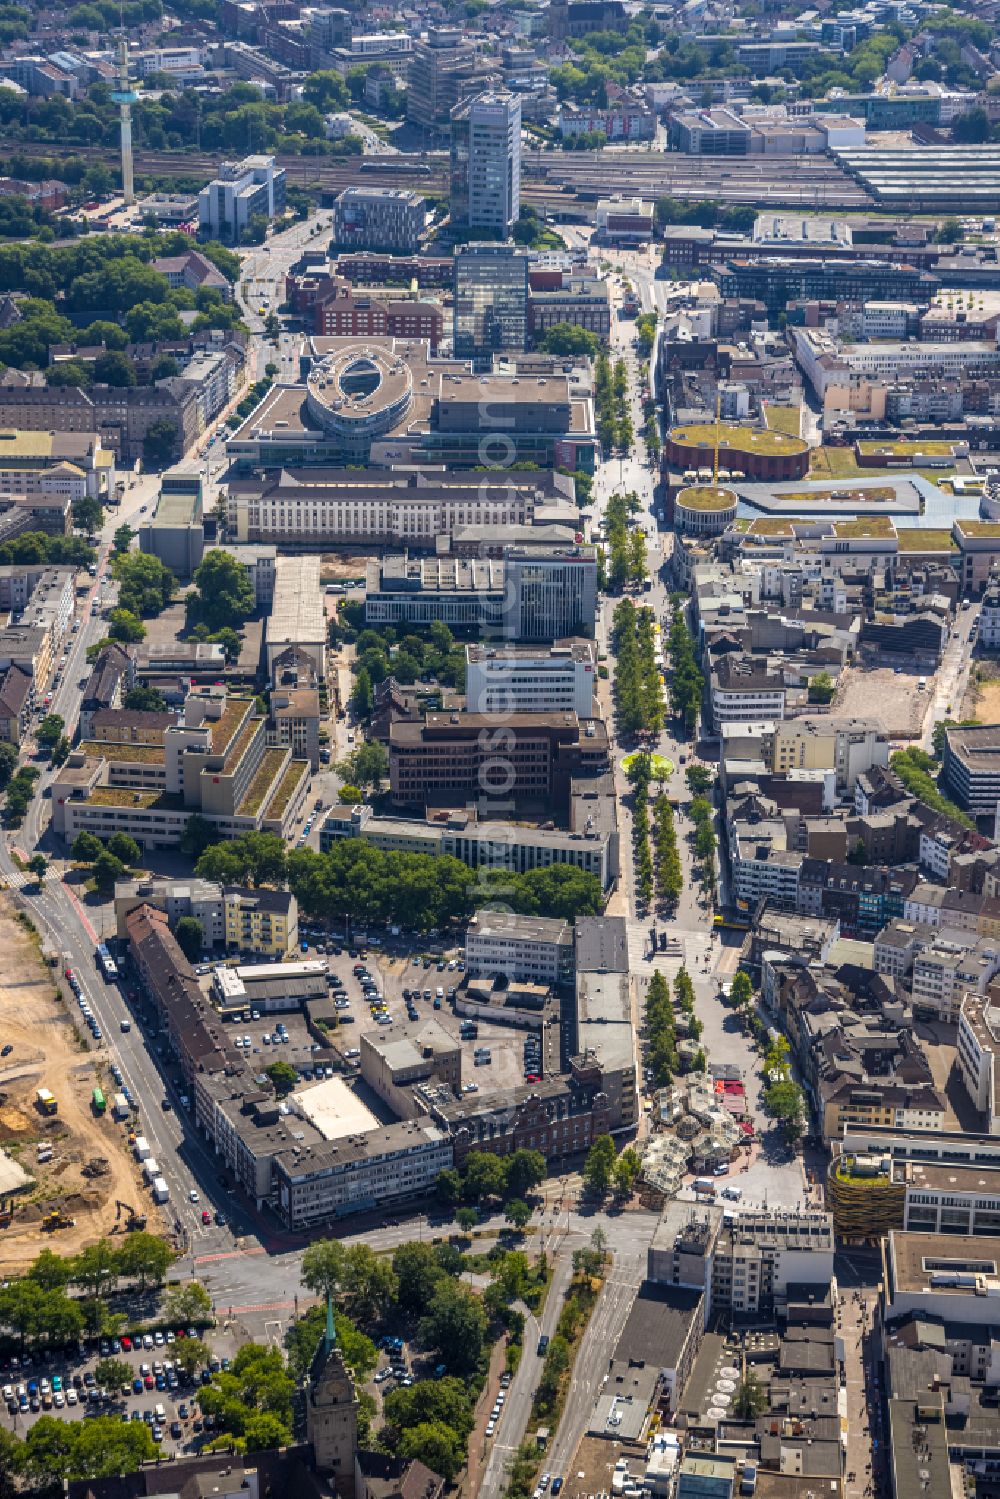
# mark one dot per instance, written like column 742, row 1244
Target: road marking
column 81, row 913
column 228, row 1254
column 259, row 1306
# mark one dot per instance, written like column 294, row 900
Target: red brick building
column 335, row 310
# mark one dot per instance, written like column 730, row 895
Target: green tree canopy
column 283, row 1077
column 598, row 1167
column 223, row 592
column 145, row 586
column 455, row 1324
column 190, row 936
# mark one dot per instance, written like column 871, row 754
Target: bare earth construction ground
column 985, row 704
column 47, row 1053
column 892, row 695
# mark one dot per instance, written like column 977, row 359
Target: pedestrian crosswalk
column 14, row 880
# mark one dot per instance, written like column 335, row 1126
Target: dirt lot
column 341, row 567
column 47, row 1053
column 983, row 701
column 892, row 695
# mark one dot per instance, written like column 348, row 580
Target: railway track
column 549, row 179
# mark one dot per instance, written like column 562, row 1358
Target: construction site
column 67, row 1175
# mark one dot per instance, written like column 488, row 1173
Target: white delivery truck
column 120, row 1107
column 161, row 1191
column 150, row 1169
column 141, row 1148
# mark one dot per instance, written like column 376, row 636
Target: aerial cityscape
column 500, row 750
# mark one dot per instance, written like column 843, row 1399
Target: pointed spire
column 331, row 1331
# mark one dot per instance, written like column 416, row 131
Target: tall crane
column 125, row 96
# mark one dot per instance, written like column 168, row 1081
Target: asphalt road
column 513, row 1423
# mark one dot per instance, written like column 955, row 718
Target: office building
column 934, row 1276
column 384, row 401
column 625, row 221
column 387, row 1165
column 253, row 187
column 378, row 218
column 37, row 466
column 442, row 64
column 449, row 757
column 120, row 416
column 582, row 301
column 336, row 310
column 216, row 762
column 491, row 301
column 972, row 768
column 589, row 842
column 748, row 1260
column 526, row 679
column 320, row 507
column 486, row 161
column 777, row 282
column 849, row 746
column 530, row 595
column 710, row 132
column 524, row 949
column 193, row 270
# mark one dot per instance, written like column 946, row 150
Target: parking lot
column 155, row 1388
column 375, row 989
column 508, row 1055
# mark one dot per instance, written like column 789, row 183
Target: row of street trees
column 638, row 687
column 62, row 1297
column 624, row 560
column 669, row 878
column 686, row 681
column 614, row 421
column 639, row 775
column 702, row 816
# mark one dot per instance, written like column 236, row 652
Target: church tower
column 332, row 1411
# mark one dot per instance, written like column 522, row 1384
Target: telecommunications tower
column 125, row 96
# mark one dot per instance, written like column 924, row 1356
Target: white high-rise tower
column 125, row 96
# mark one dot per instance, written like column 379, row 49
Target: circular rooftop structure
column 759, row 453
column 359, row 393
column 704, row 510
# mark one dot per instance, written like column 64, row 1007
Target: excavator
column 133, row 1220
